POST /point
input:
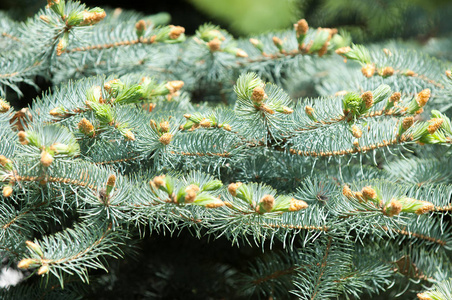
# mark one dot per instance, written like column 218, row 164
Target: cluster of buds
column 267, row 203
column 366, row 194
column 162, row 129
column 393, row 207
column 36, row 250
column 196, row 121
column 4, row 106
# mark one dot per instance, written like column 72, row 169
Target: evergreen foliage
column 146, row 130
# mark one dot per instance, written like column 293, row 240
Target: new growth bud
column 435, row 124
column 4, row 106
column 368, row 70
column 7, row 191
column 44, row 269
column 394, row 208
column 266, row 204
column 395, row 97
column 356, row 131
column 86, row 127
column 176, row 32
column 368, row 99
column 387, row 71
column 347, row 192
column 140, row 27
column 369, row 193
column 214, row 45
column 423, row 97
column 407, row 122
column 46, row 159
column 232, row 188
column 296, row 205
column 258, row 94
column 301, row 27
column 166, row 138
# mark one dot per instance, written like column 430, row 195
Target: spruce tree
column 329, row 160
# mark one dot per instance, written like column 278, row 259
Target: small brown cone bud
column 91, row 18
column 176, row 32
column 129, row 135
column 267, row 109
column 369, row 193
column 44, row 269
column 301, row 27
column 449, row 74
column 395, row 207
column 267, row 202
column 368, row 99
column 111, row 181
column 7, row 191
column 44, row 18
column 343, row 50
column 347, row 192
column 159, row 181
column 241, row 53
column 164, row 126
column 205, row 123
column 368, row 70
column 277, row 41
column 426, row 207
column 356, row 143
column 296, row 205
column 309, row 110
column 214, row 45
column 107, row 85
column 227, row 127
column 174, row 86
column 22, row 137
column 387, row 52
column 140, row 25
column 46, row 159
column 60, row 47
column 258, row 94
column 4, row 161
column 423, row 97
column 187, row 116
column 232, row 188
column 190, row 193
column 407, row 122
column 387, row 71
column 435, row 124
column 254, row 42
column 215, row 204
column 409, row 73
column 86, row 127
column 25, row 263
column 356, row 131
column 395, row 97
column 166, row 138
column 4, row 106
column 287, row 110
column 359, row 196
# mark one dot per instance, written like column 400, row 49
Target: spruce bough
column 354, row 184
